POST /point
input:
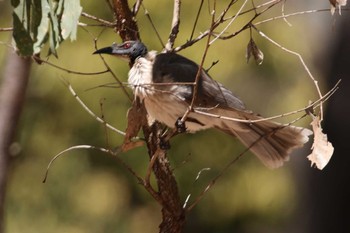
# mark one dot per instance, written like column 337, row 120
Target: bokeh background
column 88, row 191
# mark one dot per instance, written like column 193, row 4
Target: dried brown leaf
column 252, row 49
column 136, row 118
column 322, row 149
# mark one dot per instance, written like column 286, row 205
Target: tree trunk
column 173, row 215
column 12, row 94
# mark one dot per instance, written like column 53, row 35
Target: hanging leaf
column 322, row 149
column 22, row 37
column 252, row 49
column 37, row 21
column 70, row 19
column 41, row 24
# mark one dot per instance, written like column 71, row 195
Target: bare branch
column 91, row 113
column 196, row 20
column 6, row 29
column 301, row 61
column 230, row 23
column 292, row 14
column 174, row 26
column 39, row 60
column 282, row 11
column 136, row 7
column 104, row 22
column 153, row 26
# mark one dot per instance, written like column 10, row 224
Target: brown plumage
column 270, row 141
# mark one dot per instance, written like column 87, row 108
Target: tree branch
column 173, row 217
column 12, row 94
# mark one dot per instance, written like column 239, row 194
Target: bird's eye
column 127, row 45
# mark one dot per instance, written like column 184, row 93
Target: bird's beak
column 106, row 50
column 115, row 50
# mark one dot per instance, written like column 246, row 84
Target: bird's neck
column 140, row 75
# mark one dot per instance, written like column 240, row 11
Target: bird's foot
column 180, row 126
column 164, row 143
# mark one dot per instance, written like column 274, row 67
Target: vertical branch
column 173, row 217
column 12, row 94
column 174, row 26
column 126, row 25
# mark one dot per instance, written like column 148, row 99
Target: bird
column 164, row 82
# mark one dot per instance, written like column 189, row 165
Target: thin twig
column 196, row 20
column 67, row 70
column 113, row 74
column 6, row 29
column 91, row 113
column 136, row 7
column 153, row 26
column 292, row 14
column 313, row 105
column 301, row 61
column 230, row 23
column 197, row 178
column 174, row 26
column 70, row 149
column 104, row 22
column 282, row 11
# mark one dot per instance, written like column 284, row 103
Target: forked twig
column 306, row 68
column 67, row 70
column 230, row 23
column 174, row 26
column 196, row 20
column 114, row 154
column 70, row 149
column 91, row 113
column 102, row 21
column 153, row 26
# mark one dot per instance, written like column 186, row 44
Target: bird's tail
column 270, row 141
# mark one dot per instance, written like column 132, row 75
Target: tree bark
column 12, row 94
column 173, row 214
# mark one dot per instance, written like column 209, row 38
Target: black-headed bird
column 165, row 83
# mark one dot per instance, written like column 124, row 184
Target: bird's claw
column 180, row 125
column 164, row 144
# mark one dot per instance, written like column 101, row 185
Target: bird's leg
column 164, row 138
column 164, row 143
column 180, row 125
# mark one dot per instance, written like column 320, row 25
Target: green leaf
column 70, row 18
column 41, row 27
column 55, row 38
column 15, row 3
column 39, row 21
column 21, row 36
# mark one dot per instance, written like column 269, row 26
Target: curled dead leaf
column 252, row 49
column 322, row 149
column 136, row 118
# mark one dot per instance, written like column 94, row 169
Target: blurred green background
column 88, row 191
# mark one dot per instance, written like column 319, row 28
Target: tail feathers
column 270, row 141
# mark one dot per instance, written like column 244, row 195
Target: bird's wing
column 171, row 67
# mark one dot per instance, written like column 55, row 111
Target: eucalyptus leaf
column 21, row 36
column 70, row 19
column 42, row 29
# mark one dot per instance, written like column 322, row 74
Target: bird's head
column 129, row 50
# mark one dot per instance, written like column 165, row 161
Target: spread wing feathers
column 171, row 67
column 270, row 141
